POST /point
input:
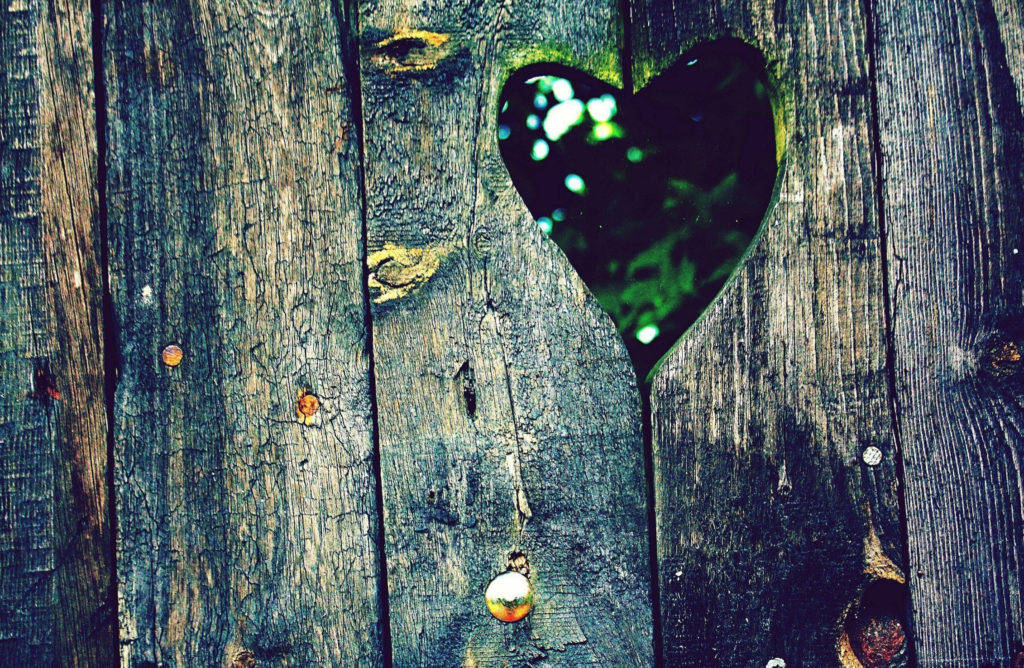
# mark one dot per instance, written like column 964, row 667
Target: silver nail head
column 775, row 663
column 872, row 456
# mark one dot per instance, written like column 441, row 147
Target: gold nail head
column 509, row 596
column 171, row 355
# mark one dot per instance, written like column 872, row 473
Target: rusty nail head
column 172, row 355
column 307, row 406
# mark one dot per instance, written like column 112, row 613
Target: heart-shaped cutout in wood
column 653, row 197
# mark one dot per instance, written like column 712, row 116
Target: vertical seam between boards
column 109, row 338
column 889, row 307
column 346, row 16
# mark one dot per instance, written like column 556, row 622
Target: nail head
column 307, row 406
column 872, row 456
column 172, row 355
column 509, row 596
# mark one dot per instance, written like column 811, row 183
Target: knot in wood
column 44, row 387
column 1003, row 358
column 244, row 659
column 411, row 51
column 518, row 562
column 874, row 630
column 395, row 271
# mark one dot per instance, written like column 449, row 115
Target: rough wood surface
column 770, row 526
column 234, row 217
column 56, row 540
column 950, row 94
column 509, row 417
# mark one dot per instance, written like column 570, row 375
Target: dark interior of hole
column 877, row 625
column 654, row 197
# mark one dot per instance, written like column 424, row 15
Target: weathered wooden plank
column 950, row 94
column 56, row 538
column 235, row 227
column 770, row 526
column 509, row 418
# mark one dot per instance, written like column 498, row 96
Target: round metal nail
column 172, row 355
column 872, row 456
column 509, row 596
column 307, row 406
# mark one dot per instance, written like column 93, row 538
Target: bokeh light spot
column 605, row 130
column 602, row 108
column 540, row 150
column 574, row 183
column 647, row 333
column 561, row 117
column 561, row 89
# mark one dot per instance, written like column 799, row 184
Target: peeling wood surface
column 950, row 95
column 247, row 528
column 761, row 413
column 509, row 417
column 56, row 540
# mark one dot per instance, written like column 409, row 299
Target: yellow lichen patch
column 877, row 566
column 411, row 51
column 779, row 120
column 395, row 271
column 847, row 657
column 431, row 38
column 603, row 63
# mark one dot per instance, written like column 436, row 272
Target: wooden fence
column 390, row 380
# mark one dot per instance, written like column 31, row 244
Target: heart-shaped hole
column 653, row 197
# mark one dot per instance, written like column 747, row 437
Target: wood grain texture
column 1009, row 17
column 952, row 144
column 235, row 227
column 56, row 539
column 509, row 417
column 770, row 527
